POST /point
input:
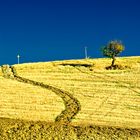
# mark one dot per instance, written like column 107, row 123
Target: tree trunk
column 113, row 61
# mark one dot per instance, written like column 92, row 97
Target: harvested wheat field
column 72, row 99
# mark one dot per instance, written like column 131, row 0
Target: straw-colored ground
column 24, row 101
column 108, row 98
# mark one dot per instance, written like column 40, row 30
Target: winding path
column 72, row 105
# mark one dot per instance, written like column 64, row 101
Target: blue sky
column 60, row 29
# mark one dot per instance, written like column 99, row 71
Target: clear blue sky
column 59, row 29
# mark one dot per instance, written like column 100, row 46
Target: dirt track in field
column 61, row 128
column 72, row 105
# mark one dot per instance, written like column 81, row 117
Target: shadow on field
column 29, row 130
column 77, row 65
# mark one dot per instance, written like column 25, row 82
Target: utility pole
column 18, row 57
column 85, row 52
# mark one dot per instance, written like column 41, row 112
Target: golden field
column 108, row 98
column 24, row 101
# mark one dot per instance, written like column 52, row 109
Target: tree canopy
column 113, row 49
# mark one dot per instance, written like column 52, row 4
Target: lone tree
column 113, row 49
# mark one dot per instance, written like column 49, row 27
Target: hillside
column 78, row 92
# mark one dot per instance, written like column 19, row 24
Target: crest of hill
column 98, row 63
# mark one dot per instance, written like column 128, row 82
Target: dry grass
column 24, row 101
column 107, row 97
column 110, row 101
